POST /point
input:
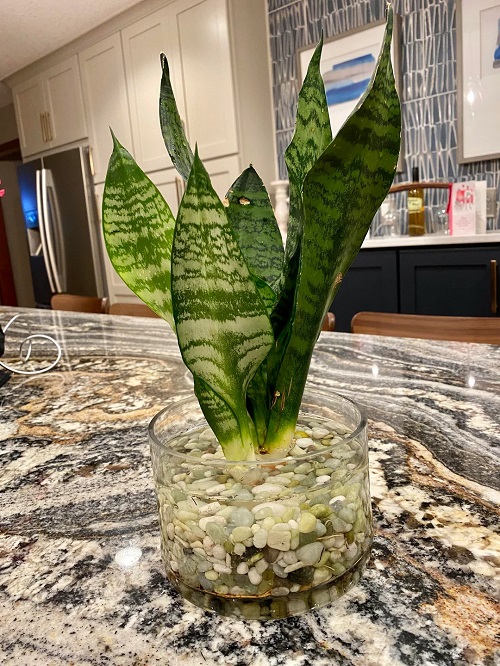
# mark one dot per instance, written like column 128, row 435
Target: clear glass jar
column 264, row 539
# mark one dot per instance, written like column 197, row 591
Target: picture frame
column 347, row 62
column 478, row 80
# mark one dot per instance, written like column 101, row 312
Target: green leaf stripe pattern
column 171, row 125
column 312, row 136
column 222, row 325
column 342, row 192
column 254, row 224
column 138, row 230
column 223, row 422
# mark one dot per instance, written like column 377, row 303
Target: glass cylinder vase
column 264, row 539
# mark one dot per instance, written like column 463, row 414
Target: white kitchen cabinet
column 143, row 41
column 223, row 172
column 49, row 108
column 194, row 35
column 106, row 102
column 199, row 32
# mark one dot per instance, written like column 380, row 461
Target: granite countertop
column 81, row 581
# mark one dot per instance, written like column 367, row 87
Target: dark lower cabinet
column 461, row 281
column 370, row 284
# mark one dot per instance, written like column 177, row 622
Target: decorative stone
column 279, row 539
column 241, row 534
column 220, row 520
column 241, row 516
column 311, row 553
column 260, row 538
column 268, row 488
column 307, row 522
column 219, row 552
column 254, row 576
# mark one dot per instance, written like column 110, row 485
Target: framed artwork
column 347, row 64
column 478, row 79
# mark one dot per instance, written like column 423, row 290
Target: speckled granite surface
column 81, row 579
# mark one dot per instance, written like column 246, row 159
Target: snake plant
column 247, row 312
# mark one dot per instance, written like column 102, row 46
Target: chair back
column 75, row 303
column 131, row 309
column 460, row 329
column 328, row 322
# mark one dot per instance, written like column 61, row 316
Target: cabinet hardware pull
column 493, row 285
column 49, row 126
column 42, row 125
column 91, row 161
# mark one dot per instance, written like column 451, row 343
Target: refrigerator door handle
column 55, row 232
column 48, row 232
column 43, row 238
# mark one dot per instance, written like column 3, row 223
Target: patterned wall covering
column 428, row 64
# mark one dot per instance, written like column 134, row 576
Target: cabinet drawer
column 460, row 282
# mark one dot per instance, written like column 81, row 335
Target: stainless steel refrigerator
column 62, row 225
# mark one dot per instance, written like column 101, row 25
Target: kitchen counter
column 381, row 242
column 81, row 581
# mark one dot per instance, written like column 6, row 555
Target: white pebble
column 338, row 498
column 215, row 490
column 242, row 568
column 254, row 576
column 261, row 566
column 209, row 509
column 239, row 548
column 220, row 520
column 279, row 539
column 267, row 488
column 304, row 442
column 290, row 557
column 323, row 478
column 221, row 568
column 320, row 433
column 260, row 538
column 219, row 552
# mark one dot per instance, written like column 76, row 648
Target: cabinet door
column 142, row 44
column 29, row 105
column 202, row 34
column 371, row 284
column 64, row 102
column 460, row 282
column 105, row 93
column 223, row 172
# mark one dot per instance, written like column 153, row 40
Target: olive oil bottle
column 416, row 214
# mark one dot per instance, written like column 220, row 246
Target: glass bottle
column 416, row 214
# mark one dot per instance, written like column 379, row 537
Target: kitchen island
column 81, row 580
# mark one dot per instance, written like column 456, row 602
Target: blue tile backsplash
column 429, row 76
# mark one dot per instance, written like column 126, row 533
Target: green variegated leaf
column 222, row 325
column 342, row 192
column 255, row 227
column 222, row 420
column 312, row 135
column 171, row 125
column 138, row 230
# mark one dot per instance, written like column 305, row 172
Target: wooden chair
column 461, row 329
column 74, row 303
column 328, row 322
column 131, row 309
